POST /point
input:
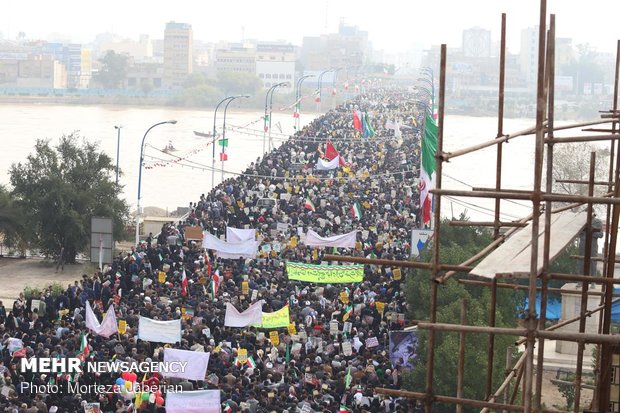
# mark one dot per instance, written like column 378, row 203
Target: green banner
column 276, row 319
column 325, row 273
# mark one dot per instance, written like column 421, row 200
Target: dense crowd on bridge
column 307, row 368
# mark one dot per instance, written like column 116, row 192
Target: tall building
column 528, row 56
column 236, row 57
column 275, row 63
column 178, row 58
column 476, row 42
column 348, row 48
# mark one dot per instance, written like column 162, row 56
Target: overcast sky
column 393, row 25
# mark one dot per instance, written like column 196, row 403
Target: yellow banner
column 245, row 287
column 380, row 307
column 344, row 297
column 397, row 274
column 291, row 329
column 122, row 326
column 274, row 337
column 162, row 277
column 242, row 355
column 325, row 273
column 280, row 318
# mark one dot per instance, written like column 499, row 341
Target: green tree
column 12, row 231
column 113, row 70
column 59, row 188
column 238, row 83
column 585, row 69
column 458, row 244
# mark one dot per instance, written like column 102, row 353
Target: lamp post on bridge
column 267, row 100
column 228, row 98
column 172, row 122
column 118, row 145
column 224, row 141
column 320, row 87
column 300, row 81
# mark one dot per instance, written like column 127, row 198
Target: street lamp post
column 118, row 144
column 334, row 86
column 224, row 128
column 320, row 86
column 214, row 139
column 140, row 175
column 300, row 81
column 265, row 127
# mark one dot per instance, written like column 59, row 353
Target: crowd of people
column 309, row 369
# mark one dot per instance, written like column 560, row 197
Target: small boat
column 169, row 148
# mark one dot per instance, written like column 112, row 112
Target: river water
column 173, row 186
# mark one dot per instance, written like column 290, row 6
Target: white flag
column 339, row 241
column 323, row 165
column 199, row 401
column 159, row 331
column 195, row 362
column 252, row 316
column 109, row 325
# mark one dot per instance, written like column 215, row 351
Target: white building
column 528, row 56
column 275, row 63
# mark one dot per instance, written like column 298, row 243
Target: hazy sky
column 393, row 25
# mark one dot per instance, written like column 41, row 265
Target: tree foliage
column 113, row 70
column 59, row 188
column 573, row 162
column 585, row 68
column 458, row 244
column 232, row 83
column 12, row 228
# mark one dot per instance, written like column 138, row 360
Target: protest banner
column 251, row 316
column 324, row 273
column 195, row 367
column 274, row 337
column 372, row 342
column 159, row 331
column 198, row 401
column 280, row 318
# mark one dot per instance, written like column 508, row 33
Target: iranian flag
column 357, row 122
column 184, row 283
column 356, row 211
column 215, row 283
column 331, row 153
column 296, row 113
column 317, row 96
column 84, row 350
column 427, row 171
column 309, row 205
column 251, row 363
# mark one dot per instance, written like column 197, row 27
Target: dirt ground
column 552, row 397
column 18, row 273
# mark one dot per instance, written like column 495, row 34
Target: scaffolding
column 522, row 373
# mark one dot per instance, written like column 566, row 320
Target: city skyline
column 277, row 20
